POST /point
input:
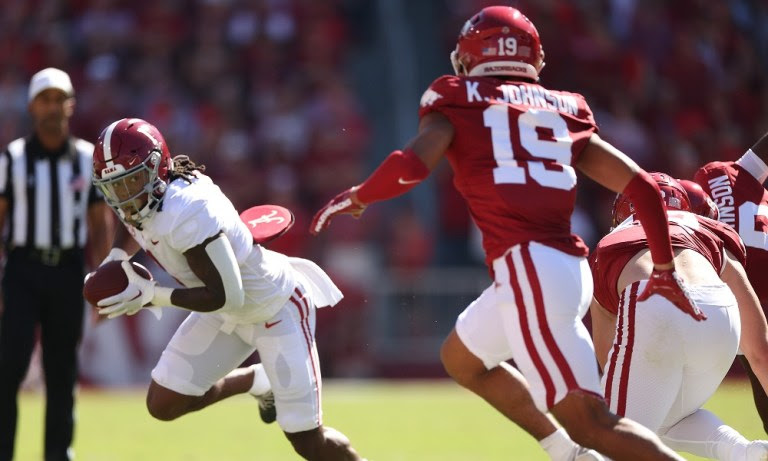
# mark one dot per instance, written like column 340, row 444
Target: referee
column 49, row 210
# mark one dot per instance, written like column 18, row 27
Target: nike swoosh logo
column 408, row 181
column 155, row 242
column 268, row 325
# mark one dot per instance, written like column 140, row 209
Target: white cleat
column 757, row 450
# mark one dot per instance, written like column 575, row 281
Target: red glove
column 341, row 204
column 669, row 285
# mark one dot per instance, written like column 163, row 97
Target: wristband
column 162, row 296
column 754, row 165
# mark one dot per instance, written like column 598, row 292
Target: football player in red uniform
column 514, row 147
column 659, row 365
column 737, row 190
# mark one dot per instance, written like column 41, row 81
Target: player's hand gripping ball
column 108, row 280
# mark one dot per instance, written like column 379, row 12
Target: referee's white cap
column 50, row 78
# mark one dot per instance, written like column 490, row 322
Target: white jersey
column 193, row 212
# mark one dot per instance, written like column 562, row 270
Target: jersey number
column 557, row 148
column 748, row 216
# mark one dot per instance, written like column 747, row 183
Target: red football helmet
column 701, row 203
column 674, row 195
column 131, row 163
column 622, row 209
column 499, row 40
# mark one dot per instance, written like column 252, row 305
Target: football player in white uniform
column 243, row 297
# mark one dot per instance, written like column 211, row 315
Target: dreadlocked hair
column 184, row 168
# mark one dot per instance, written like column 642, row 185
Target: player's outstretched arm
column 613, row 169
column 400, row 172
column 754, row 330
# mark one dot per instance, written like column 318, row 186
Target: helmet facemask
column 136, row 193
column 458, row 67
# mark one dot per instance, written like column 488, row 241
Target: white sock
column 558, row 445
column 260, row 381
column 704, row 434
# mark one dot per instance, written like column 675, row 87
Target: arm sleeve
column 397, row 174
column 644, row 193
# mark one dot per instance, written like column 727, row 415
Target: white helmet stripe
column 107, row 146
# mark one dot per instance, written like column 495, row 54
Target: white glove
column 136, row 295
column 115, row 254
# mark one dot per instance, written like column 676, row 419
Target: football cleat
column 267, row 408
column 757, row 450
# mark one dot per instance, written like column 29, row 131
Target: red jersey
column 512, row 151
column 687, row 230
column 743, row 204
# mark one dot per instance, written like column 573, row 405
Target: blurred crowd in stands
column 260, row 91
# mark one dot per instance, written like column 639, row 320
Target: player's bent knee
column 453, row 355
column 447, row 357
column 319, row 443
column 306, row 443
column 162, row 412
column 586, row 417
column 336, row 439
column 163, row 406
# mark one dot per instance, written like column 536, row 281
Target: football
column 109, row 280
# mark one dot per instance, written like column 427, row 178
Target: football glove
column 341, row 204
column 136, row 295
column 668, row 284
column 115, row 254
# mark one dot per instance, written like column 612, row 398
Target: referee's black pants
column 37, row 293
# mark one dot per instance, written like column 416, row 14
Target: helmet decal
column 498, row 40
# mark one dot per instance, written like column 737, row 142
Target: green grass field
column 386, row 421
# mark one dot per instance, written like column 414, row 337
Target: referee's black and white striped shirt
column 48, row 193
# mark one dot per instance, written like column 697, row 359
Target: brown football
column 109, row 280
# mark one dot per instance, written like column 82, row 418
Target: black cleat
column 267, row 409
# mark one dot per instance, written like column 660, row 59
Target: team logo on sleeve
column 429, row 97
